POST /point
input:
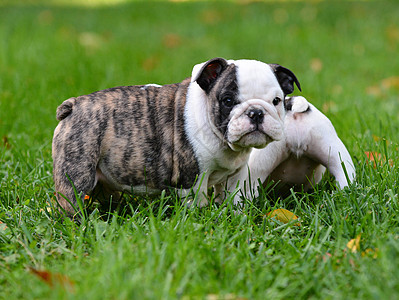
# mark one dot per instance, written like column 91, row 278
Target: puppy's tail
column 65, row 109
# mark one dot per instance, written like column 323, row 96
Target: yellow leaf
column 283, row 215
column 390, row 82
column 370, row 252
column 354, row 244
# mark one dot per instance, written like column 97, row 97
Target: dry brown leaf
column 6, row 142
column 150, row 63
column 53, row 279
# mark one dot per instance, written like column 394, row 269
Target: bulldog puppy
column 189, row 136
column 310, row 145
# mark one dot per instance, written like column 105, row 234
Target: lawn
column 345, row 56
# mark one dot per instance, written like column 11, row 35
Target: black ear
column 285, row 78
column 209, row 72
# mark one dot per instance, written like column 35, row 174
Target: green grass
column 342, row 53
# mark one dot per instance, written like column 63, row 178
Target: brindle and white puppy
column 310, row 145
column 192, row 134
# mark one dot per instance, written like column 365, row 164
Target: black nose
column 256, row 116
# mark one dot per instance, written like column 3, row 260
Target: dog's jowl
column 149, row 138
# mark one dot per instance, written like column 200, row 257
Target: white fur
column 257, row 81
column 151, row 84
column 240, row 123
column 219, row 158
column 310, row 142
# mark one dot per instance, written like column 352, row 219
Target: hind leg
column 71, row 181
column 74, row 169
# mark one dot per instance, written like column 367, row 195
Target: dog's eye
column 228, row 102
column 276, row 101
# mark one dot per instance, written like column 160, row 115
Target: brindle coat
column 149, row 148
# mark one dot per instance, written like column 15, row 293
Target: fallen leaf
column 385, row 85
column 375, row 157
column 53, row 278
column 370, row 252
column 211, row 17
column 354, row 244
column 376, row 138
column 6, row 143
column 90, row 40
column 326, row 256
column 283, row 215
column 150, row 63
column 46, row 17
column 316, row 65
column 390, row 83
column 171, row 40
column 2, row 225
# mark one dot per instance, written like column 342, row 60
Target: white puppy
column 309, row 147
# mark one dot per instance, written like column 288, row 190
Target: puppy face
column 244, row 100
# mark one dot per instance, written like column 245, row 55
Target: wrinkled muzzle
column 254, row 123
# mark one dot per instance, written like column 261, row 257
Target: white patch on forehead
column 256, row 80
